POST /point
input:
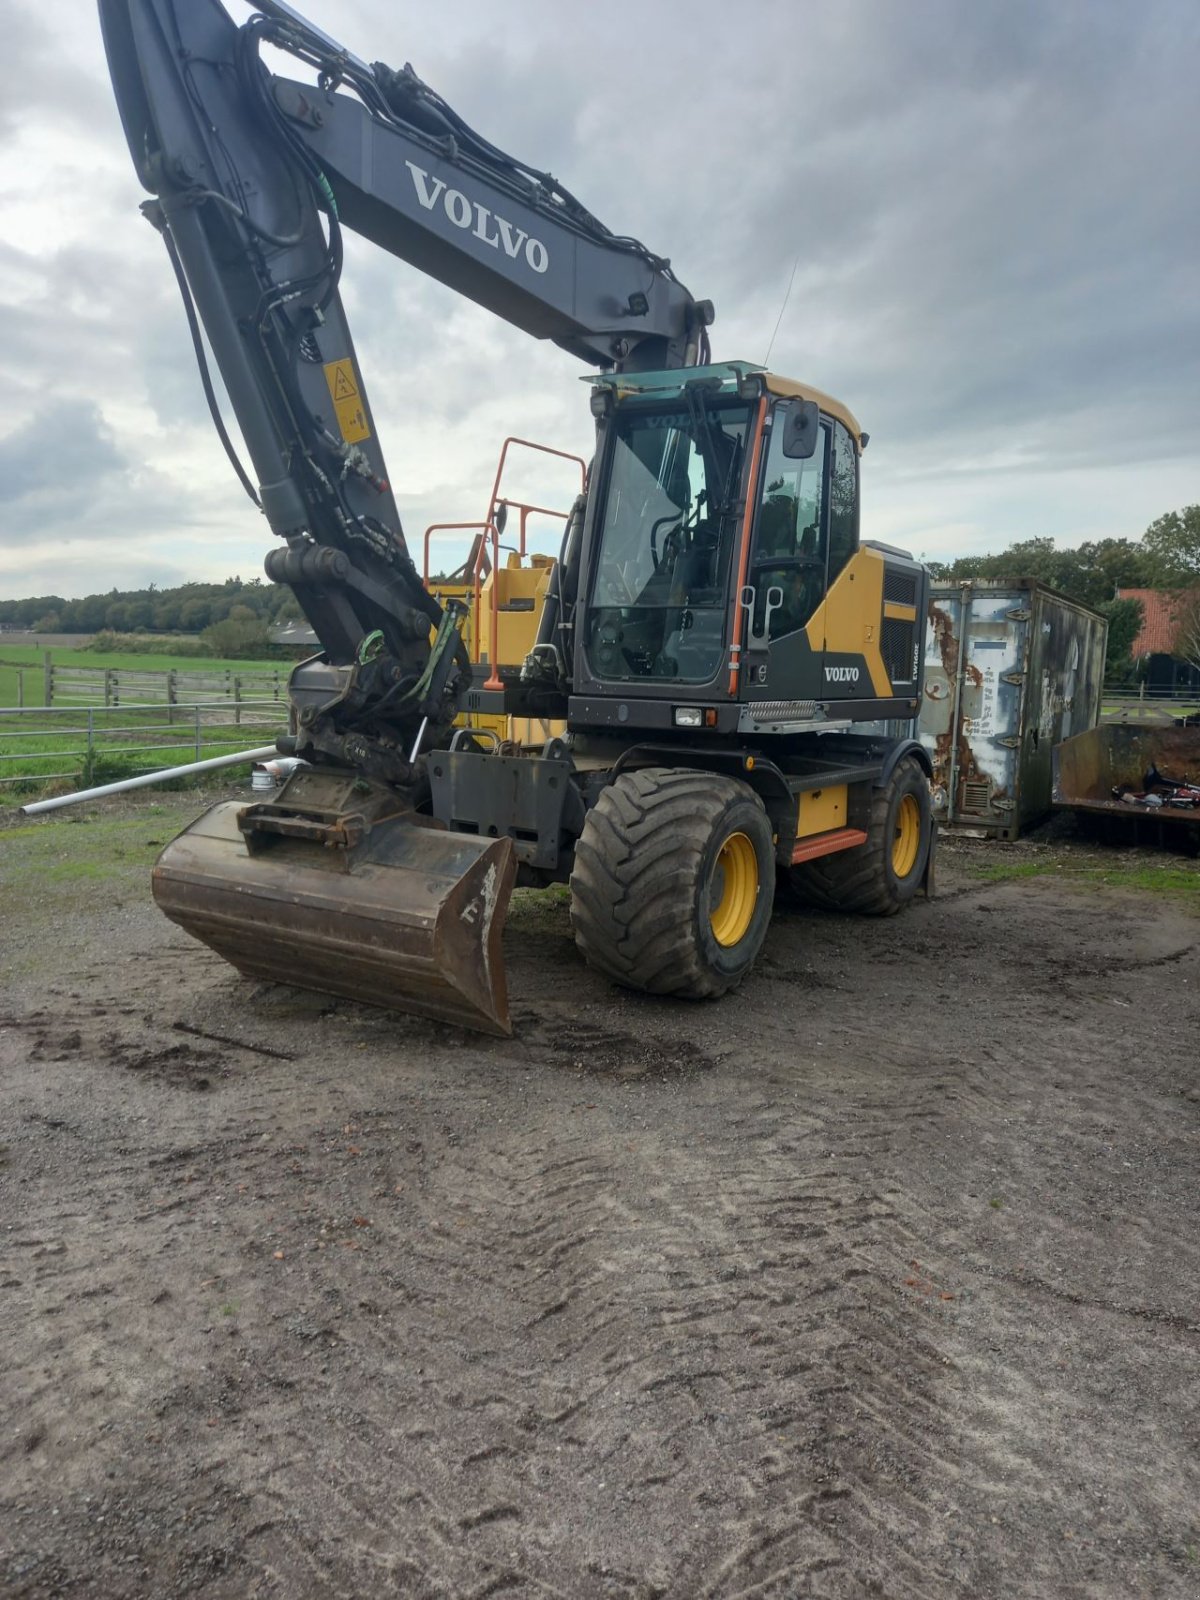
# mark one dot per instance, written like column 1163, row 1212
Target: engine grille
column 900, row 587
column 897, row 645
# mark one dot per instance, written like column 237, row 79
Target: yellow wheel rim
column 734, row 890
column 906, row 842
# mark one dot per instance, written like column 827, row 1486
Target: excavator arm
column 343, row 883
column 254, row 177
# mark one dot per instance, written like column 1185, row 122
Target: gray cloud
column 990, row 207
column 40, row 71
column 54, row 459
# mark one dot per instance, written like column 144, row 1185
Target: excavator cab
column 725, row 561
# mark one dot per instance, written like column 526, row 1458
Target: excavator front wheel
column 672, row 885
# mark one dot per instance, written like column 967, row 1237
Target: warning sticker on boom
column 347, row 402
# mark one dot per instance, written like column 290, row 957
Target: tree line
column 190, row 608
column 1166, row 557
column 229, row 619
column 236, row 615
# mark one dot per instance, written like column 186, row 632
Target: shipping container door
column 975, row 666
column 990, row 709
column 940, row 698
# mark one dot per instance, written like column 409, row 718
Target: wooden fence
column 1123, row 703
column 69, row 685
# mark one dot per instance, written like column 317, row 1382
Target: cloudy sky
column 992, row 205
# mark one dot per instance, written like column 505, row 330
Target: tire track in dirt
column 707, row 1334
column 607, row 1310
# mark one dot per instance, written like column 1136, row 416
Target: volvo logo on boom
column 473, row 217
column 841, row 674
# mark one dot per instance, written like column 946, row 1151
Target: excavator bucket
column 393, row 912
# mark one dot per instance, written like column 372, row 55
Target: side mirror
column 801, row 430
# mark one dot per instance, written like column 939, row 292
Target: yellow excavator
column 711, row 662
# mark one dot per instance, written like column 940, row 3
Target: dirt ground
column 880, row 1277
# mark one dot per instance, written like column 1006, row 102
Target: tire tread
column 637, row 858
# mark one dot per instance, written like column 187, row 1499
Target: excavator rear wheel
column 881, row 876
column 671, row 889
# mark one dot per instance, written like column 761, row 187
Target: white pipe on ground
column 265, row 752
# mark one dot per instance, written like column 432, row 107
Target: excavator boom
column 342, row 883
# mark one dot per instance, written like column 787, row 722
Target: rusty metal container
column 1090, row 766
column 1011, row 669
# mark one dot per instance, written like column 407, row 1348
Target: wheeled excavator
column 720, row 648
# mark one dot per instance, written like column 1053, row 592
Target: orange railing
column 462, row 527
column 490, row 530
column 543, row 449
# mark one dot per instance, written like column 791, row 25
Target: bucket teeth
column 411, row 918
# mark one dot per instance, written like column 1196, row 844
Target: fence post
column 196, row 709
column 91, row 735
column 237, row 701
column 48, row 669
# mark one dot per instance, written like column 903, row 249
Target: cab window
column 787, row 569
column 659, row 603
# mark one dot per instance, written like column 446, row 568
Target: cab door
column 787, row 576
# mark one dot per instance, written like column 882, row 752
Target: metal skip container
column 1011, row 669
column 1092, row 768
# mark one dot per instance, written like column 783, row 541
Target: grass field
column 34, row 766
column 53, row 753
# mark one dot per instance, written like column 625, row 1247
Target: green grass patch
column 45, row 863
column 1158, row 877
column 40, row 747
column 541, row 910
column 33, row 762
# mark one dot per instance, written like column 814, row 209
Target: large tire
column 880, row 877
column 671, row 889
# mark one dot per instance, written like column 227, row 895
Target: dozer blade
column 409, row 918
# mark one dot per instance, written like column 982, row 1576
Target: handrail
column 544, row 449
column 528, row 511
column 493, row 681
column 451, row 527
column 492, row 533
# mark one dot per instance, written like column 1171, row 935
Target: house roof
column 1162, row 612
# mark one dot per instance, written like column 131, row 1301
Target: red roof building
column 1162, row 612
